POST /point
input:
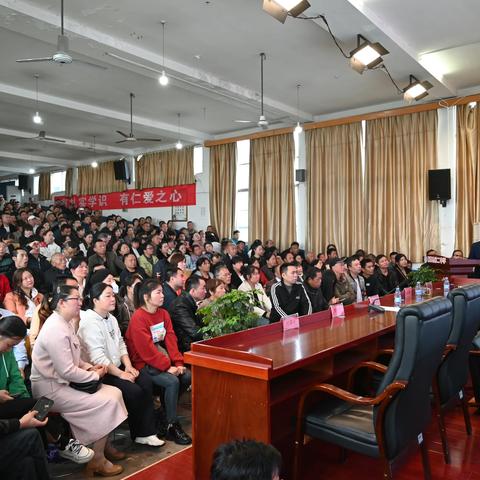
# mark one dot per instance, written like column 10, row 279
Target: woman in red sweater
column 152, row 345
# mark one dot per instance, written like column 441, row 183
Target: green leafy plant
column 230, row 313
column 423, row 275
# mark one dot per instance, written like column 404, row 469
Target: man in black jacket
column 331, row 276
column 313, row 280
column 38, row 265
column 174, row 281
column 288, row 297
column 368, row 270
column 183, row 311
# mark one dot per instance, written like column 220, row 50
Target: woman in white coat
column 56, row 363
column 263, row 305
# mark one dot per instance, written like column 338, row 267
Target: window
column 241, row 200
column 36, row 179
column 57, row 181
column 197, row 160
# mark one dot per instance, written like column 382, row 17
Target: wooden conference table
column 247, row 384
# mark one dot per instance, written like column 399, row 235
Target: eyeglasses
column 78, row 299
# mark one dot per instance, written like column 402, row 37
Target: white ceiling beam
column 188, row 134
column 68, row 142
column 182, row 73
column 28, row 157
column 9, row 169
column 402, row 43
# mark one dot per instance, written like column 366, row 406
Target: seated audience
column 203, row 266
column 20, row 260
column 126, row 305
column 103, row 257
column 401, row 271
column 236, row 271
column 147, row 260
column 386, row 279
column 312, row 284
column 4, row 287
column 101, row 338
column 457, row 254
column 5, row 259
column 368, row 270
column 357, row 282
column 173, row 285
column 288, row 297
column 183, row 312
column 24, row 298
column 38, row 265
column 251, row 283
column 246, row 460
column 221, row 272
column 267, row 272
column 48, row 247
column 331, row 277
column 152, row 345
column 79, row 270
column 57, row 369
column 58, row 269
column 131, row 268
column 215, row 290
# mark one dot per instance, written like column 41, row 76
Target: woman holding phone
column 59, row 374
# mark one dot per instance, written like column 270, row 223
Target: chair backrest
column 453, row 372
column 421, row 334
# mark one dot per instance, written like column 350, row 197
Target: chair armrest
column 379, row 367
column 357, row 399
column 449, row 349
column 475, row 353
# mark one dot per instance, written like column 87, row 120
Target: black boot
column 161, row 423
column 176, row 433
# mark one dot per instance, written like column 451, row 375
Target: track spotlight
column 416, row 90
column 281, row 9
column 366, row 55
column 31, row 170
column 179, row 145
column 94, row 164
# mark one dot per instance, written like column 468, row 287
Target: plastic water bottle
column 397, row 297
column 446, row 286
column 418, row 291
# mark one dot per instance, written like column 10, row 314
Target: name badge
column 337, row 310
column 158, row 332
column 374, row 300
column 290, row 323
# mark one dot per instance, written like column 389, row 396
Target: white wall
column 199, row 214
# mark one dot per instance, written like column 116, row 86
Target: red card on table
column 291, row 322
column 337, row 310
column 408, row 293
column 374, row 300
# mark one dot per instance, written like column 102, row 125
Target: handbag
column 86, row 387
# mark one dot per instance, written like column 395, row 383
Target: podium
column 248, row 384
column 451, row 266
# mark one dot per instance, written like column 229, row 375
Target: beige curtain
column 400, row 150
column 44, row 186
column 161, row 169
column 272, row 190
column 335, row 196
column 223, row 167
column 468, row 175
column 69, row 182
column 98, row 180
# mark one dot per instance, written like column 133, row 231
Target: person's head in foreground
column 246, row 460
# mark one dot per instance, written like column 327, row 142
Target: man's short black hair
column 311, row 273
column 391, row 253
column 351, row 259
column 193, row 282
column 284, row 266
column 295, row 243
column 364, row 262
column 245, row 460
column 237, row 259
column 171, row 272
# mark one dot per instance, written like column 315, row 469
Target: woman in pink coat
column 56, row 362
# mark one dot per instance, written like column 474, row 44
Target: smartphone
column 42, row 406
column 14, row 395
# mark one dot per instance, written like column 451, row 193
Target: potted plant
column 423, row 275
column 230, row 313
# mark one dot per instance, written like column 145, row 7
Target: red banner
column 149, row 197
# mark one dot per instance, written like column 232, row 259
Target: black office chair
column 452, row 374
column 387, row 425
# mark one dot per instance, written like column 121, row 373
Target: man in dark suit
column 183, row 311
column 174, row 281
column 474, row 251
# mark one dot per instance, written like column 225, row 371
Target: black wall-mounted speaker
column 121, row 170
column 300, row 175
column 23, row 183
column 439, row 184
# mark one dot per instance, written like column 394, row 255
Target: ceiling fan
column 62, row 55
column 262, row 121
column 42, row 136
column 131, row 137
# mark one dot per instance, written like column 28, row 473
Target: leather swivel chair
column 452, row 374
column 387, row 425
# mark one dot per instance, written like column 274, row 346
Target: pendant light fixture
column 163, row 79
column 37, row 119
column 298, row 128
column 179, row 144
